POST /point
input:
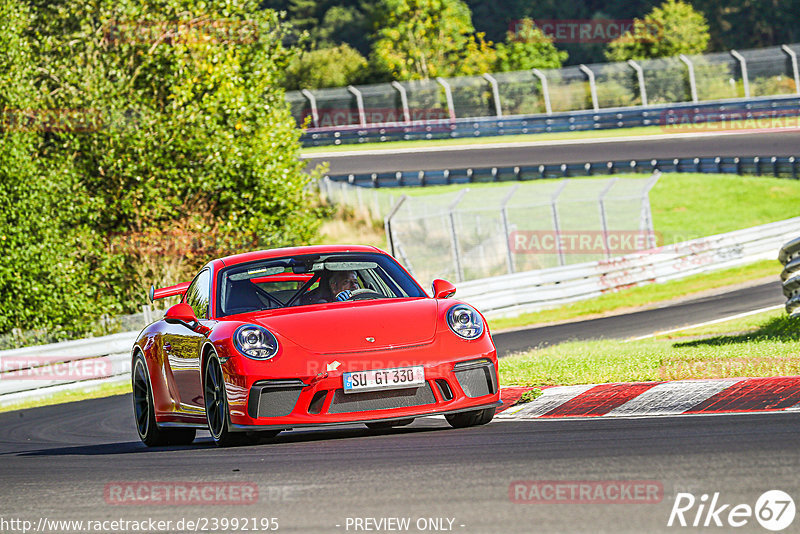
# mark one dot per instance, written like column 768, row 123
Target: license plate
column 377, row 379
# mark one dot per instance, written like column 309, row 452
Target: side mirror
column 442, row 289
column 181, row 313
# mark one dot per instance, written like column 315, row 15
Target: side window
column 198, row 294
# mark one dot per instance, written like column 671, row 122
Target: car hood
column 357, row 326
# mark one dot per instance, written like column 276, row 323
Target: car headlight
column 255, row 342
column 465, row 321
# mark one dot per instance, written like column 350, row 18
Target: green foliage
column 177, row 146
column 669, row 30
column 528, row 48
column 420, row 39
column 327, row 67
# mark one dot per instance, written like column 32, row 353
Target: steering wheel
column 364, row 294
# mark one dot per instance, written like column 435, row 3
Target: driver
column 342, row 283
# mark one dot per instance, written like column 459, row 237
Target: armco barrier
column 789, row 256
column 512, row 294
column 41, row 370
column 765, row 112
column 777, row 166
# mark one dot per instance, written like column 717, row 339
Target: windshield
column 314, row 279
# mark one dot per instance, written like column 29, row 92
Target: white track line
column 715, row 321
column 526, row 144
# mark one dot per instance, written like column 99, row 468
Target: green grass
column 645, row 295
column 638, row 131
column 766, row 344
column 106, row 390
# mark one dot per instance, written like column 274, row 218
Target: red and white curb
column 632, row 399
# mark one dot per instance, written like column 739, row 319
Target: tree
column 669, row 30
column 171, row 143
column 528, row 48
column 419, row 39
column 337, row 66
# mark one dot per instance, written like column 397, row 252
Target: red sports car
column 279, row 339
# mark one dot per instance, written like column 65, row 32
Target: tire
column 382, row 425
column 216, row 404
column 473, row 418
column 145, row 415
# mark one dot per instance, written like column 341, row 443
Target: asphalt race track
column 645, row 322
column 783, row 143
column 59, row 462
column 64, row 462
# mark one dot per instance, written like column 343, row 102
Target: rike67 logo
column 774, row 510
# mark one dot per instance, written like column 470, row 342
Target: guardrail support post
column 312, row 101
column 640, row 77
column 448, row 94
column 743, row 66
column 545, row 90
column 692, row 81
column 362, row 116
column 556, row 223
column 387, row 223
column 403, row 100
column 495, row 93
column 507, row 229
column 592, row 85
column 793, row 59
column 454, row 236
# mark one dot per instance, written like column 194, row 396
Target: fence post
column 403, row 100
column 495, row 93
column 692, row 82
column 545, row 90
column 454, row 235
column 312, row 101
column 507, row 229
column 448, row 94
column 603, row 221
column 556, row 224
column 646, row 215
column 793, row 58
column 147, row 314
column 743, row 65
column 362, row 116
column 640, row 77
column 592, row 85
column 387, row 223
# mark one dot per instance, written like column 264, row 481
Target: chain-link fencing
column 750, row 73
column 482, row 232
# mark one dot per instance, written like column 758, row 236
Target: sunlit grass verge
column 762, row 345
column 105, row 390
column 646, row 295
column 637, row 131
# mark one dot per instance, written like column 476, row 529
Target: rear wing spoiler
column 170, row 291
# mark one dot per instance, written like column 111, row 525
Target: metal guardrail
column 789, row 256
column 676, row 117
column 512, row 294
column 776, row 166
column 42, row 370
